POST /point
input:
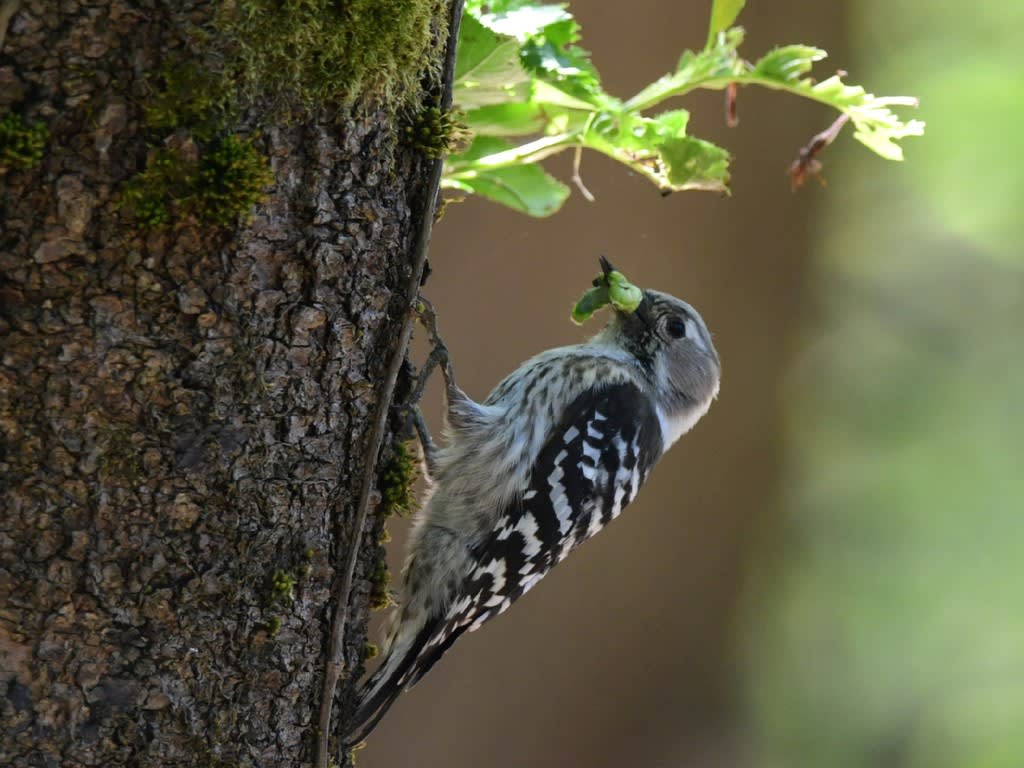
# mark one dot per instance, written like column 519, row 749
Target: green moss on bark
column 21, row 144
column 380, row 580
column 282, row 586
column 314, row 53
column 396, row 483
column 217, row 182
column 190, row 97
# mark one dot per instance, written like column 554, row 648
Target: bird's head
column 671, row 345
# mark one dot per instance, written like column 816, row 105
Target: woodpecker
column 554, row 454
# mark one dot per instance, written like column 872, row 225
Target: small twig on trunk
column 336, row 649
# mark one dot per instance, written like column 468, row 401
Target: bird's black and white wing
column 590, row 468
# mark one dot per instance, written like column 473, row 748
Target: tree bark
column 183, row 412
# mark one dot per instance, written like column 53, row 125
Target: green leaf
column 714, row 67
column 659, row 149
column 552, row 56
column 788, row 63
column 876, row 126
column 695, row 164
column 525, row 21
column 512, row 119
column 525, row 188
column 723, row 16
column 487, row 67
column 786, row 68
column 521, row 72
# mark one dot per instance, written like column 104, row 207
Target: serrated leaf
column 659, row 149
column 716, row 64
column 876, row 126
column 552, row 56
column 695, row 164
column 521, row 72
column 672, row 124
column 546, row 94
column 630, row 132
column 880, row 137
column 723, row 16
column 492, row 152
column 487, row 67
column 525, row 21
column 788, row 63
column 525, row 188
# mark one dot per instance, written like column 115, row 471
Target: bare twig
column 336, row 649
column 806, row 163
column 732, row 117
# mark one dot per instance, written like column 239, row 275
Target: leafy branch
column 520, row 73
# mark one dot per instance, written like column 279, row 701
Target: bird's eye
column 676, row 328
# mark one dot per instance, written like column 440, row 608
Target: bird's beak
column 606, row 266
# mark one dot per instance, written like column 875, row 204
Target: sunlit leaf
column 695, row 164
column 525, row 188
column 521, row 72
column 487, row 69
column 511, row 119
column 789, row 63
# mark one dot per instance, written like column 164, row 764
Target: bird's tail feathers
column 385, row 685
column 412, row 653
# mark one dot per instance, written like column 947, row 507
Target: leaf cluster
column 522, row 73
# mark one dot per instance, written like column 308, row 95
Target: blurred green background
column 886, row 628
column 828, row 572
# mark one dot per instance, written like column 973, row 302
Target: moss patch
column 217, row 182
column 274, row 625
column 397, row 496
column 396, row 482
column 380, row 580
column 282, row 586
column 190, row 97
column 313, row 53
column 21, row 144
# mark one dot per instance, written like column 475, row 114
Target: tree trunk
column 184, row 409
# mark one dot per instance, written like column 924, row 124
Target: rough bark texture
column 182, row 414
